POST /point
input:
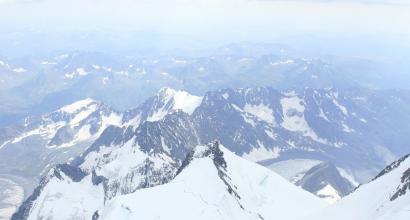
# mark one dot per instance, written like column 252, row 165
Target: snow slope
column 216, row 184
column 386, row 197
column 35, row 144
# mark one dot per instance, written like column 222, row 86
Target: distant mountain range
column 40, row 84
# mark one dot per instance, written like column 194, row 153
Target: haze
column 358, row 25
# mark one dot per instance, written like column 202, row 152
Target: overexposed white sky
column 386, row 21
column 207, row 15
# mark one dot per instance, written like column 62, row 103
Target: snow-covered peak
column 169, row 100
column 215, row 184
column 77, row 106
column 182, row 100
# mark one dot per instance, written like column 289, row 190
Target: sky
column 291, row 15
column 219, row 20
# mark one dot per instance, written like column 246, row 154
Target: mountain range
column 36, row 85
column 315, row 138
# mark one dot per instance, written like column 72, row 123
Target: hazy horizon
column 345, row 27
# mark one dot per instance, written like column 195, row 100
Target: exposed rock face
column 325, row 181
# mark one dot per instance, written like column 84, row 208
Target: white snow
column 181, row 100
column 78, row 71
column 4, row 144
column 294, row 118
column 363, row 120
column 329, row 194
column 77, row 112
column 158, row 115
column 283, row 62
column 271, row 134
column 249, row 120
column 346, row 128
column 261, row 111
column 200, row 150
column 165, row 146
column 82, row 114
column 225, row 95
column 371, row 201
column 125, row 158
column 121, row 161
column 186, row 102
column 48, row 63
column 69, row 75
column 339, row 144
column 63, row 199
column 84, row 134
column 292, row 102
column 199, row 193
column 112, row 119
column 46, row 131
column 323, row 115
column 76, row 106
column 81, row 72
column 341, row 107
